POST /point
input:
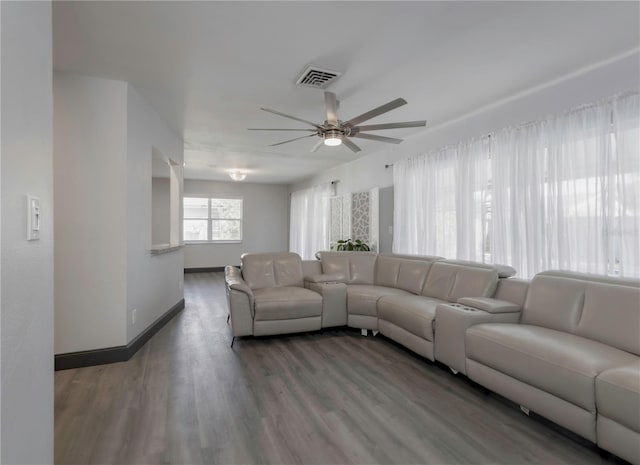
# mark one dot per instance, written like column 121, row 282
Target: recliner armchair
column 268, row 296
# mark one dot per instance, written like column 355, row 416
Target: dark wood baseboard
column 87, row 358
column 204, row 270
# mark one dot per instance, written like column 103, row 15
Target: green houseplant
column 348, row 244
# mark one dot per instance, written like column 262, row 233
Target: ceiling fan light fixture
column 238, row 175
column 332, row 138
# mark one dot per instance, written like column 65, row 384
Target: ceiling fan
column 334, row 132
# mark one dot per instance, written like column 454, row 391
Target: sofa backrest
column 600, row 308
column 272, row 270
column 349, row 267
column 408, row 274
column 450, row 281
column 512, row 290
column 311, row 267
column 553, row 302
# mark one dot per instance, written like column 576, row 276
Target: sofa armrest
column 334, row 302
column 490, row 305
column 233, row 280
column 324, row 278
column 240, row 300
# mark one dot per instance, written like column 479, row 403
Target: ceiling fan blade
column 354, row 148
column 332, row 108
column 376, row 111
column 291, row 140
column 317, row 146
column 290, row 117
column 389, row 140
column 377, row 127
column 279, row 129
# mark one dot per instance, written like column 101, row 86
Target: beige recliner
column 573, row 358
column 268, row 296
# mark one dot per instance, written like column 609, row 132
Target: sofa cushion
column 504, row 271
column 402, row 273
column 272, row 270
column 450, row 281
column 554, row 302
column 412, row 313
column 611, row 315
column 351, row 267
column 362, row 298
column 285, row 303
column 559, row 363
column 618, row 395
column 473, row 282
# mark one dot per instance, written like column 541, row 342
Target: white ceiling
column 207, row 67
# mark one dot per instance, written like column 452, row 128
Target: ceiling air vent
column 317, row 78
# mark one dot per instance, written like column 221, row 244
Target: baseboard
column 204, row 270
column 87, row 358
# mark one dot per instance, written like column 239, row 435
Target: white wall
column 104, row 134
column 26, row 378
column 90, row 189
column 160, row 211
column 584, row 86
column 265, row 228
column 154, row 282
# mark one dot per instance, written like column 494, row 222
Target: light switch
column 33, row 218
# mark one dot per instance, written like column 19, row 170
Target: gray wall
column 160, row 211
column 26, row 285
column 265, row 228
column 90, row 200
column 154, row 282
column 104, row 135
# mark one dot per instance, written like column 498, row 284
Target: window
column 212, row 220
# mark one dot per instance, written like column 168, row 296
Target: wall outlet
column 134, row 316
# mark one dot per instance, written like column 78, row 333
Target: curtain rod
column 388, row 166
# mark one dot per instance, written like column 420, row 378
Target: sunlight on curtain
column 440, row 202
column 518, row 218
column 625, row 182
column 309, row 221
column 562, row 193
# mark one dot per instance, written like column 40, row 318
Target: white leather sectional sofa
column 565, row 345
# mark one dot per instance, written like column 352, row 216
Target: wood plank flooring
column 332, row 397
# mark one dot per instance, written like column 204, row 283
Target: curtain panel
column 562, row 193
column 440, row 202
column 309, row 221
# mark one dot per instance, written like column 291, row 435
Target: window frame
column 209, row 219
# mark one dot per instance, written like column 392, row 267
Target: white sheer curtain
column 440, row 202
column 625, row 180
column 473, row 200
column 424, row 198
column 562, row 193
column 518, row 217
column 566, row 192
column 309, row 221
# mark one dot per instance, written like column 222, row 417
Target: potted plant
column 348, row 244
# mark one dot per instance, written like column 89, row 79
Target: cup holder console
column 464, row 307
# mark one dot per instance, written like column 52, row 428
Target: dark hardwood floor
column 332, row 397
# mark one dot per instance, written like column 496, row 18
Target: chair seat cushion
column 363, row 298
column 412, row 313
column 618, row 394
column 559, row 363
column 285, row 303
